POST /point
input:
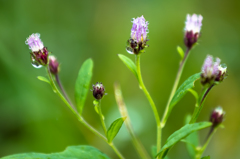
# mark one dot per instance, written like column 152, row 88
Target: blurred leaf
column 82, row 84
column 180, row 51
column 114, row 129
column 129, row 63
column 206, row 157
column 154, row 151
column 44, row 79
column 182, row 90
column 71, row 152
column 192, row 140
column 180, row 134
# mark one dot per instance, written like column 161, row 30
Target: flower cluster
column 192, row 29
column 217, row 116
column 39, row 54
column 98, row 90
column 212, row 71
column 53, row 65
column 138, row 39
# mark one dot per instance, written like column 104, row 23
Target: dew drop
column 35, row 63
column 129, row 50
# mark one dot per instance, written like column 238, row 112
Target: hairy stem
column 142, row 86
column 175, row 85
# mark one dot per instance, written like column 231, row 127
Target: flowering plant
column 212, row 74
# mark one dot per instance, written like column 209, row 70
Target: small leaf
column 82, row 84
column 44, row 79
column 192, row 140
column 182, row 90
column 194, row 93
column 206, row 157
column 180, row 134
column 71, row 152
column 129, row 63
column 180, row 51
column 96, row 107
column 114, row 129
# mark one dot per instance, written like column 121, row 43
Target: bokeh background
column 34, row 119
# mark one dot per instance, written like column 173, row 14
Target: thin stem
column 124, row 113
column 101, row 117
column 142, row 86
column 116, row 150
column 175, row 85
column 199, row 105
column 64, row 92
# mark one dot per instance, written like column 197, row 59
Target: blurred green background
column 33, row 118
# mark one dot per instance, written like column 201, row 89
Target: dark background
column 34, row 119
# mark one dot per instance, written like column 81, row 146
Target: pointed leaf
column 182, row 90
column 44, row 79
column 180, row 51
column 114, row 129
column 180, row 134
column 129, row 63
column 82, row 84
column 71, row 152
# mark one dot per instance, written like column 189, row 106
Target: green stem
column 175, row 85
column 101, row 117
column 142, row 86
column 199, row 105
column 124, row 113
column 116, row 150
column 201, row 151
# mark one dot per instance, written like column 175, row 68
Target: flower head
column 192, row 29
column 217, row 116
column 98, row 91
column 53, row 65
column 138, row 39
column 212, row 71
column 39, row 54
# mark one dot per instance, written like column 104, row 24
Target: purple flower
column 212, row 71
column 98, row 91
column 34, row 42
column 53, row 65
column 217, row 116
column 139, row 29
column 138, row 39
column 192, row 29
column 39, row 54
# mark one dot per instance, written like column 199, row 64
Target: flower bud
column 217, row 116
column 39, row 54
column 138, row 39
column 192, row 29
column 212, row 71
column 98, row 91
column 53, row 65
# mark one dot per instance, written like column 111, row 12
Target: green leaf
column 180, row 134
column 71, row 152
column 206, row 157
column 114, row 128
column 182, row 90
column 129, row 63
column 44, row 79
column 192, row 140
column 180, row 51
column 82, row 84
column 96, row 107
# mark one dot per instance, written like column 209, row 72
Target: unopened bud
column 98, row 91
column 53, row 65
column 217, row 116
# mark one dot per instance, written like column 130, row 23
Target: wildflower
column 53, row 65
column 138, row 39
column 192, row 29
column 98, row 91
column 39, row 54
column 212, row 71
column 217, row 116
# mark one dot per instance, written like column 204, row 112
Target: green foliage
column 182, row 90
column 44, row 79
column 114, row 128
column 206, row 157
column 181, row 52
column 180, row 134
column 82, row 84
column 129, row 63
column 71, row 152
